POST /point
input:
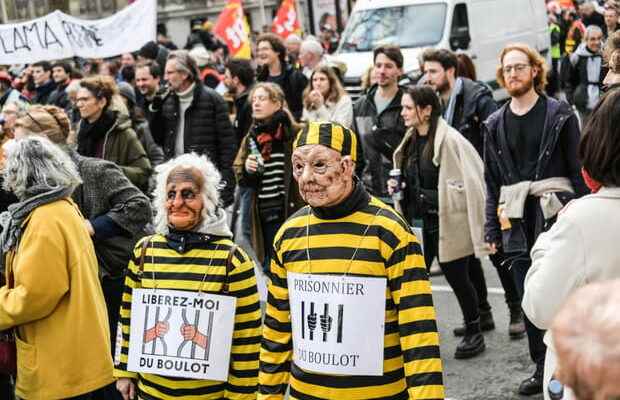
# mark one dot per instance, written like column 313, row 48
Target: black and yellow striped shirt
column 185, row 272
column 412, row 365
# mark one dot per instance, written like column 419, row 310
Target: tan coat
column 461, row 193
column 57, row 306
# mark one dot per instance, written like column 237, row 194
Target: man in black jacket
column 239, row 79
column 272, row 67
column 61, row 74
column 530, row 152
column 194, row 118
column 377, row 121
column 44, row 85
column 466, row 105
column 583, row 72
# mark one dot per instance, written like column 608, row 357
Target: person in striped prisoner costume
column 191, row 250
column 322, row 239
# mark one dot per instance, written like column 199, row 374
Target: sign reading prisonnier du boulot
column 338, row 323
column 182, row 334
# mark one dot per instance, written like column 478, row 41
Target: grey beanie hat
column 127, row 91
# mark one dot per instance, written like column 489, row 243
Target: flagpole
column 301, row 16
column 263, row 16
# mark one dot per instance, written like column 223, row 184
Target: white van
column 480, row 28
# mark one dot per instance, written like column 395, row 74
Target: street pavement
column 495, row 374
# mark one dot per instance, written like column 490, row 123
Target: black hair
column 241, row 69
column 153, row 67
column 424, row 96
column 446, row 58
column 128, row 73
column 599, row 150
column 46, row 65
column 390, row 51
column 277, row 44
column 64, row 65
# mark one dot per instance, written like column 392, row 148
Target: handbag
column 8, row 352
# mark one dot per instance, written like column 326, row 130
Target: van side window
column 459, row 32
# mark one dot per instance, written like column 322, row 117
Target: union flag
column 287, row 20
column 233, row 29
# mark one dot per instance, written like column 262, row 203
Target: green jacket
column 122, row 147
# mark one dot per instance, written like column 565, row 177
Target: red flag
column 287, row 20
column 233, row 29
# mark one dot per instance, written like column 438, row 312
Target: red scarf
column 265, row 141
column 591, row 183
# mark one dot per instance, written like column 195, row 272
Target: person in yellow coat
column 52, row 298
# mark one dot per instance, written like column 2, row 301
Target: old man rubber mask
column 323, row 175
column 184, row 200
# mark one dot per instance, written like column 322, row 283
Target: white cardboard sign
column 338, row 323
column 198, row 333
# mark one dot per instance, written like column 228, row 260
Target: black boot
column 534, row 384
column 516, row 328
column 486, row 323
column 472, row 343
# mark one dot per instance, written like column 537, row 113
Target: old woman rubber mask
column 184, row 199
column 324, row 176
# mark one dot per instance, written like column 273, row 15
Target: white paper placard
column 338, row 323
column 205, row 357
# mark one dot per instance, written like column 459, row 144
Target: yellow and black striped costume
column 185, row 272
column 412, row 365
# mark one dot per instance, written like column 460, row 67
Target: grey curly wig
column 36, row 162
column 209, row 190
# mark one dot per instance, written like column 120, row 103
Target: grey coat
column 106, row 190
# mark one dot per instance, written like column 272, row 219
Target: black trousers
column 535, row 336
column 457, row 273
column 112, row 292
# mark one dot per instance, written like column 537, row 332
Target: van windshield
column 406, row 26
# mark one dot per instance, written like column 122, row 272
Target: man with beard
column 239, row 79
column 377, row 120
column 466, row 105
column 531, row 171
column 584, row 73
column 346, row 238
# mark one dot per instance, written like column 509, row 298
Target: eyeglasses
column 518, row 68
column 83, row 99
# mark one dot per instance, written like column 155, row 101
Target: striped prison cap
column 329, row 134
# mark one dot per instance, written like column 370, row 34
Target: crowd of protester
column 191, row 170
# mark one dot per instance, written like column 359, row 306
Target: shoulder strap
column 145, row 245
column 229, row 267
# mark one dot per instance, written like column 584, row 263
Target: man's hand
column 492, row 247
column 126, row 388
column 190, row 332
column 312, row 321
column 159, row 330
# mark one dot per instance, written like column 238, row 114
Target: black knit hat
column 329, row 134
column 149, row 50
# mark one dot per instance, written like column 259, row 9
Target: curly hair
column 36, row 162
column 102, row 87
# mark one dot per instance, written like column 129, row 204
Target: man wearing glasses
column 531, row 171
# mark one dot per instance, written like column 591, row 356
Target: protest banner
column 338, row 323
column 59, row 35
column 181, row 334
column 234, row 30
